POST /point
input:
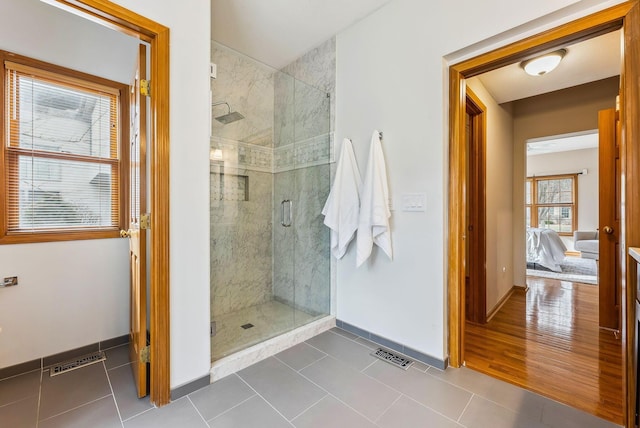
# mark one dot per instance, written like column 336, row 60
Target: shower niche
column 269, row 179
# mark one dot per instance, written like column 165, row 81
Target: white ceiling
column 585, row 62
column 563, row 143
column 276, row 32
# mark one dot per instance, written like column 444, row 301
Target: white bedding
column 544, row 247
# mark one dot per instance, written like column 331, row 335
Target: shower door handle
column 286, row 221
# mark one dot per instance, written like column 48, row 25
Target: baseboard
column 501, row 302
column 49, row 360
column 190, row 387
column 409, row 352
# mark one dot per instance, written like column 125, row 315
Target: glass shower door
column 301, row 186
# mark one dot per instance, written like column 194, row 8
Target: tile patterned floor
column 329, row 381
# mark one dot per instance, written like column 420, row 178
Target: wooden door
column 609, row 263
column 138, row 350
column 475, row 193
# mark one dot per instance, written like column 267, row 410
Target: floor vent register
column 392, row 358
column 77, row 363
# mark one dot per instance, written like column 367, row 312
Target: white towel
column 342, row 208
column 373, row 226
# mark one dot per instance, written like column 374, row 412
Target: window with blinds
column 62, row 157
column 551, row 202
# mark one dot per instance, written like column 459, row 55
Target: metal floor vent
column 391, row 358
column 246, row 326
column 77, row 363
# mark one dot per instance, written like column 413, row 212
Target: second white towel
column 373, row 224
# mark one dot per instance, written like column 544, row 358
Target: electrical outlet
column 9, row 281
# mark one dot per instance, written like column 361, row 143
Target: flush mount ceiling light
column 543, row 64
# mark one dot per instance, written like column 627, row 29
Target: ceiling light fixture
column 543, row 64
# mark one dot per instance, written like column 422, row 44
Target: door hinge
column 145, row 221
column 145, row 355
column 145, row 87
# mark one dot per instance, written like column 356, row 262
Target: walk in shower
column 269, row 178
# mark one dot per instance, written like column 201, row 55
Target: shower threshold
column 266, row 320
column 264, row 349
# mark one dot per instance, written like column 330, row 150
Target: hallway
column 548, row 341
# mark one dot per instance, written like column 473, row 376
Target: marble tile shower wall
column 286, row 131
column 241, row 184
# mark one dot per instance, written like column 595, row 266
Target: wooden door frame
column 123, row 20
column 476, row 193
column 581, row 29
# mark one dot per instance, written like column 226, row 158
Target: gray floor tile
column 255, row 412
column 179, row 413
column 220, row 396
column 367, row 343
column 98, row 414
column 482, row 413
column 407, row 413
column 126, row 394
column 503, row 393
column 18, row 387
column 344, row 333
column 465, row 378
column 117, row 357
column 23, row 413
column 440, row 396
column 345, row 350
column 283, row 387
column 330, row 412
column 72, row 389
column 558, row 415
column 357, row 390
column 417, row 365
column 516, row 399
column 300, row 356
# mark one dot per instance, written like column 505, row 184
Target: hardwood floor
column 547, row 340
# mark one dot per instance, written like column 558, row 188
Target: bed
column 545, row 248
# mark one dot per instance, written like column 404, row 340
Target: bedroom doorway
column 597, row 24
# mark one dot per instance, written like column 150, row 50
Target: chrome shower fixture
column 230, row 117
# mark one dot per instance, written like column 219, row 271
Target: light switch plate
column 414, row 202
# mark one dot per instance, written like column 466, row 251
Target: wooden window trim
column 8, row 154
column 534, row 205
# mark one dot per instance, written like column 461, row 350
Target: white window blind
column 62, row 152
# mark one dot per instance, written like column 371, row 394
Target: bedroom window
column 551, row 203
column 63, row 176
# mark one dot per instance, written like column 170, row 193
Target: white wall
column 189, row 236
column 572, row 162
column 70, row 294
column 499, row 195
column 391, row 76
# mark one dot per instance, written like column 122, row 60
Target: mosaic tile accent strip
column 302, row 154
column 243, row 155
column 311, row 152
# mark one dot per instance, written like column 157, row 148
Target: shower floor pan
column 267, row 320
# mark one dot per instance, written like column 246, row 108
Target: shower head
column 230, row 117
